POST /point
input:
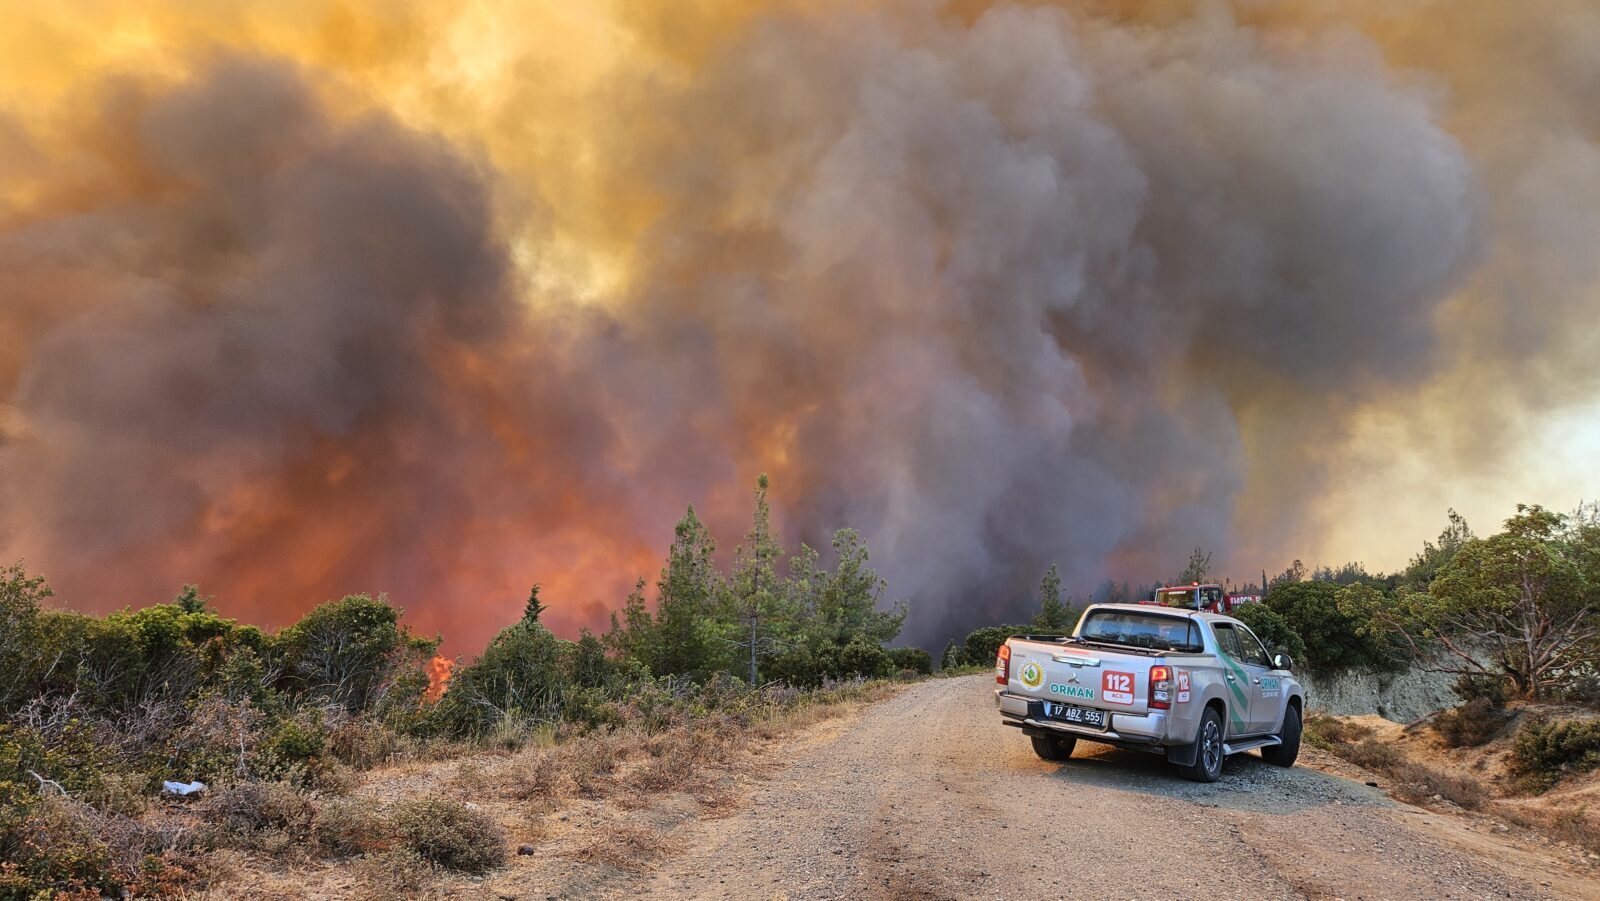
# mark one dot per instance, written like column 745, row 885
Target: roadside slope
column 927, row 795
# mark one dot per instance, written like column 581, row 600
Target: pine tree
column 1052, row 615
column 534, row 607
column 1199, row 565
column 189, row 600
column 756, row 594
column 686, row 592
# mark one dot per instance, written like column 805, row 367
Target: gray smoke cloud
column 1000, row 287
column 1024, row 288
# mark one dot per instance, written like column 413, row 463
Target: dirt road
column 928, row 796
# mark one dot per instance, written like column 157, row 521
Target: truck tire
column 1051, row 748
column 1285, row 754
column 1207, row 766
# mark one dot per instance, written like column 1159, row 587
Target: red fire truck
column 1198, row 596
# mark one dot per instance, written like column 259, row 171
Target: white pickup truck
column 1188, row 684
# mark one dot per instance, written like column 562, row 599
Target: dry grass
column 1579, row 827
column 628, row 846
column 397, row 873
column 1409, row 780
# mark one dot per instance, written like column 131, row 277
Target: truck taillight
column 1161, row 688
column 1002, row 664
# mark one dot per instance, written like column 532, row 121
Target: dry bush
column 1411, row 782
column 1472, row 724
column 533, row 777
column 344, row 828
column 363, row 743
column 1328, row 732
column 396, row 873
column 65, row 847
column 272, row 817
column 1416, row 783
column 627, row 846
column 666, row 773
column 1578, row 826
column 1371, row 754
column 449, row 834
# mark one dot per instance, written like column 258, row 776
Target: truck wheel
column 1284, row 754
column 1049, row 747
column 1207, row 766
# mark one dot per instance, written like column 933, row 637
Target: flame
column 439, row 669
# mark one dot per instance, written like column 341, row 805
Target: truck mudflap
column 1183, row 755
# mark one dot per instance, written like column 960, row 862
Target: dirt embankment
column 927, row 795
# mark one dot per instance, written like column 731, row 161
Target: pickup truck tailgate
column 1083, row 676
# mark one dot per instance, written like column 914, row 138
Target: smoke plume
column 999, row 284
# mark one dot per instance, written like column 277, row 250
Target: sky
column 444, row 299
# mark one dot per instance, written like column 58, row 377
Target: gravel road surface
column 927, row 795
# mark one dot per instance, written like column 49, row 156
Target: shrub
column 864, row 658
column 1273, row 630
column 1544, row 752
column 1329, row 733
column 1471, row 724
column 1332, row 640
column 521, row 676
column 983, row 644
column 239, row 814
column 344, row 827
column 1473, row 687
column 954, row 656
column 1414, row 782
column 395, row 873
column 911, row 660
column 449, row 834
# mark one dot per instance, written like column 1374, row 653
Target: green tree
column 1273, row 630
column 20, row 647
column 1295, row 573
column 1052, row 616
column 189, row 600
column 1333, row 636
column 1197, row 568
column 982, row 645
column 850, row 603
column 633, row 635
column 351, row 650
column 534, row 607
column 953, row 657
column 1527, row 596
column 758, row 609
column 687, row 592
column 1426, row 565
column 590, row 668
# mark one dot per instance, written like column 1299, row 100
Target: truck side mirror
column 1282, row 661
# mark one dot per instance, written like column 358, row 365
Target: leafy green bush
column 449, row 834
column 1273, row 629
column 983, row 644
column 1544, row 752
column 521, row 676
column 911, row 660
column 865, row 659
column 1332, row 638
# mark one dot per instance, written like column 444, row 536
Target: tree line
column 1517, row 611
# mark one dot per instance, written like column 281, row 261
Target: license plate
column 1078, row 716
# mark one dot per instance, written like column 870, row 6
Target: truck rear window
column 1142, row 630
